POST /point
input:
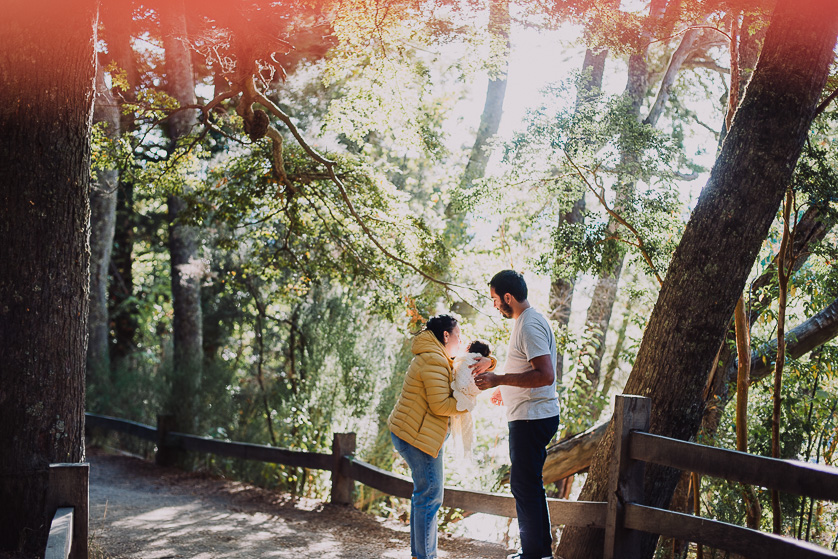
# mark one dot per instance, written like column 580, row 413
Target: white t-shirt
column 531, row 337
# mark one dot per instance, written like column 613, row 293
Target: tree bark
column 46, row 100
column 719, row 246
column 102, row 226
column 187, row 331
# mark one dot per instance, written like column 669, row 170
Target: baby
column 465, row 392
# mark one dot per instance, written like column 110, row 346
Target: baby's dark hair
column 480, row 346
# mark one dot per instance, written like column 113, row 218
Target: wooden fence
column 67, row 495
column 623, row 516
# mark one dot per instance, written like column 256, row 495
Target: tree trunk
column 46, row 99
column 812, row 228
column 183, row 239
column 719, row 246
column 117, row 18
column 455, row 226
column 495, row 93
column 561, row 289
column 599, row 313
column 784, row 266
column 574, row 454
column 102, row 224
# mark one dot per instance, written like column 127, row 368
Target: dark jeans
column 528, row 440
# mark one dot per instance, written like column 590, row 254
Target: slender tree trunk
column 183, row 239
column 259, row 330
column 743, row 349
column 599, row 313
column 561, row 289
column 611, row 370
column 47, row 73
column 495, row 93
column 498, row 28
column 784, row 267
column 117, row 19
column 730, row 222
column 102, row 224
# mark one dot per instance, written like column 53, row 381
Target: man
column 528, row 389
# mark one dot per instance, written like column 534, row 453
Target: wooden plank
column 248, row 451
column 570, row 513
column 625, row 477
column 343, row 446
column 590, row 514
column 789, row 476
column 60, row 534
column 744, row 541
column 68, row 487
column 139, row 430
column 477, row 501
column 386, row 482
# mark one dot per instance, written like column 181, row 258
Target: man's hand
column 481, row 366
column 486, row 380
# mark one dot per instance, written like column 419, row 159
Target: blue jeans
column 528, row 440
column 427, row 497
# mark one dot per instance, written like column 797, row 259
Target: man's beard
column 505, row 309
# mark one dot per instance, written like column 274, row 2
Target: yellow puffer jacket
column 421, row 414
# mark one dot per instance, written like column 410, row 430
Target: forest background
column 282, row 193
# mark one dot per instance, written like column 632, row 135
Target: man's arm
column 542, row 374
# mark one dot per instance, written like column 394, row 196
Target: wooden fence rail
column 623, row 516
column 67, row 495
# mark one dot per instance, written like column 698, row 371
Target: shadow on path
column 138, row 510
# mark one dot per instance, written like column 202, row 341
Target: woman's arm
column 436, row 378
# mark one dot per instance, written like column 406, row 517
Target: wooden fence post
column 68, row 487
column 343, row 486
column 625, row 477
column 165, row 454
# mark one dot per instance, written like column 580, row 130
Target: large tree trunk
column 46, row 98
column 102, row 224
column 117, row 19
column 183, row 239
column 719, row 246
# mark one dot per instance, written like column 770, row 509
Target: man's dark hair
column 509, row 281
column 480, row 346
column 440, row 324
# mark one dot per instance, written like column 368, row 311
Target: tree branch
column 600, row 195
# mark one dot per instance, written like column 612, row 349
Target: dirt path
column 138, row 510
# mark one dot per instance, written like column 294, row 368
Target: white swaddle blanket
column 465, row 392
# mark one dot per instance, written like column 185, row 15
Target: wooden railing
column 67, row 495
column 623, row 516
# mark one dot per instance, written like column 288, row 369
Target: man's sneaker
column 518, row 556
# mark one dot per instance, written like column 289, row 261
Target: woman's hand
column 481, row 366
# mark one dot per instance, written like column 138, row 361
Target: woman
column 419, row 424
